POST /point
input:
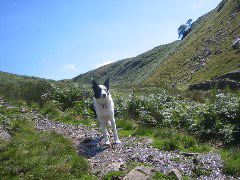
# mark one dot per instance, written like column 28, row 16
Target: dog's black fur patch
column 96, row 89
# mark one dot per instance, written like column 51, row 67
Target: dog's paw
column 118, row 142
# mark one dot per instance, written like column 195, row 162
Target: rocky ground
column 88, row 142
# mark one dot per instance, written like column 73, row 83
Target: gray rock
column 175, row 173
column 140, row 173
column 116, row 166
column 236, row 43
column 189, row 154
column 4, row 134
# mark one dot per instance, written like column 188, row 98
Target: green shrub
column 83, row 108
column 215, row 119
column 52, row 109
column 66, row 95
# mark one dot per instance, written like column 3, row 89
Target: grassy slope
column 25, row 88
column 214, row 31
column 132, row 70
column 15, row 78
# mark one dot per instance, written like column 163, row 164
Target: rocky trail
column 103, row 159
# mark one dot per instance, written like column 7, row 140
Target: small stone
column 80, row 136
column 190, row 154
column 122, row 167
column 23, row 110
column 116, row 166
column 236, row 43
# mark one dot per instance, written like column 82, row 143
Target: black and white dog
column 104, row 107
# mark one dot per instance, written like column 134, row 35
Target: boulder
column 140, row 173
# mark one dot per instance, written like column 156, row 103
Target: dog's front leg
column 105, row 133
column 113, row 124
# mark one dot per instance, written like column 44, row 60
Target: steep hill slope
column 207, row 51
column 131, row 70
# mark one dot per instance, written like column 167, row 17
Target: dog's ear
column 94, row 83
column 106, row 84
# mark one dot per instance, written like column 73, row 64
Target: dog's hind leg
column 105, row 133
column 113, row 124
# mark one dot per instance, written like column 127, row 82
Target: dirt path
column 88, row 142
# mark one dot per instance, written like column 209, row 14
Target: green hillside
column 207, row 51
column 131, row 70
column 27, row 88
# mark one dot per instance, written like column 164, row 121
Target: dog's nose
column 104, row 95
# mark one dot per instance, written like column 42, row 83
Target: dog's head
column 101, row 91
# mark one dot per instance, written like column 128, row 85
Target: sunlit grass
column 32, row 155
column 163, row 138
column 231, row 159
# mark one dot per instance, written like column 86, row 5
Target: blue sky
column 59, row 39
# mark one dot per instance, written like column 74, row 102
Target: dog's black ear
column 106, row 84
column 94, row 83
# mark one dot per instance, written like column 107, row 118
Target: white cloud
column 97, row 65
column 70, row 67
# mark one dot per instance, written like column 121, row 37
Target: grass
column 125, row 127
column 170, row 140
column 17, row 87
column 231, row 159
column 37, row 155
column 163, row 138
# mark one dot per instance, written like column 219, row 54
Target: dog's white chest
column 104, row 110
